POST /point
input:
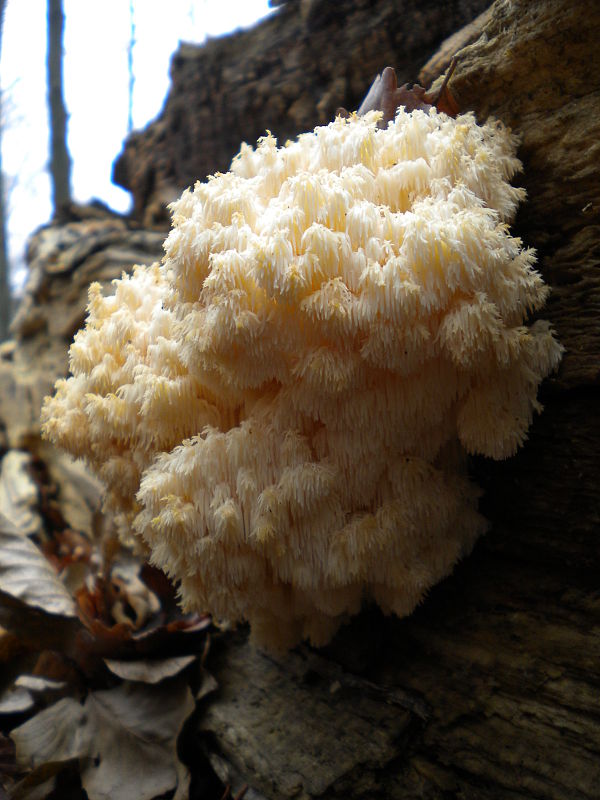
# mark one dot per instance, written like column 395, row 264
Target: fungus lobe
column 281, row 408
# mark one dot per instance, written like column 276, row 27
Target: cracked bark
column 489, row 690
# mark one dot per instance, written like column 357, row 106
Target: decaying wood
column 287, row 75
column 505, row 654
column 63, row 260
column 304, row 712
column 440, row 61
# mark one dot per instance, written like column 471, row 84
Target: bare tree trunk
column 131, row 76
column 4, row 266
column 60, row 162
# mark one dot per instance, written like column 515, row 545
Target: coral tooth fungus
column 280, row 409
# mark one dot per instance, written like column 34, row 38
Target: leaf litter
column 100, row 669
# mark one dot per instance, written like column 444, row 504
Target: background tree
column 4, row 267
column 130, row 73
column 60, row 161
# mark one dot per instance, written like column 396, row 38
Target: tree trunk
column 489, row 690
column 130, row 73
column 60, row 162
column 5, row 301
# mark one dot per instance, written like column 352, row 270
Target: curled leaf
column 386, row 96
column 149, row 670
column 27, row 576
column 15, row 700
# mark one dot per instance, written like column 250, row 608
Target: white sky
column 96, row 37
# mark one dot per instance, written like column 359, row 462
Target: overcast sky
column 97, row 34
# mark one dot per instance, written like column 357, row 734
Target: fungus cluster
column 280, row 409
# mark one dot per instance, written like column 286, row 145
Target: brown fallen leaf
column 132, row 601
column 149, row 670
column 386, row 96
column 27, row 576
column 23, row 693
column 16, row 700
column 124, row 739
column 36, row 606
column 36, row 629
column 67, row 547
column 182, row 636
column 34, row 603
column 444, row 100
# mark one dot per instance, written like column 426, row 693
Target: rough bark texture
column 63, row 260
column 504, row 654
column 287, row 75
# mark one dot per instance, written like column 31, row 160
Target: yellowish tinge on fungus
column 280, row 410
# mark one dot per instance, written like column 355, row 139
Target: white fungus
column 280, row 410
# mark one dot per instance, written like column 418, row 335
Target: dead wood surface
column 499, row 670
column 63, row 259
column 286, row 75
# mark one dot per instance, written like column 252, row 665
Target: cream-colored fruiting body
column 275, row 409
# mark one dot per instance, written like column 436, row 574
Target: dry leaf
column 149, row 670
column 181, row 637
column 79, row 493
column 27, row 577
column 37, row 684
column 18, row 493
column 21, row 695
column 39, row 784
column 386, row 96
column 15, row 700
column 124, row 738
column 131, row 594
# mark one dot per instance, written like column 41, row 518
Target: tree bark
column 489, row 690
column 286, row 75
column 60, row 162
